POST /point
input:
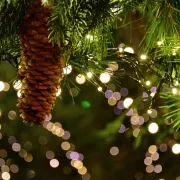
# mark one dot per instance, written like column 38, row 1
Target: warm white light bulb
column 148, row 83
column 153, row 128
column 129, row 50
column 99, row 88
column 143, row 57
column 105, row 77
column 127, row 102
column 67, row 69
column 59, row 92
column 174, row 90
column 89, row 75
column 176, row 149
column 17, row 85
column 2, row 86
column 80, row 79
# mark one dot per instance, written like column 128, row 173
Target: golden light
column 159, row 43
column 176, row 149
column 82, row 170
column 152, row 149
column 28, row 158
column 105, row 77
column 148, row 83
column 80, row 79
column 90, row 37
column 6, row 176
column 143, row 57
column 121, row 49
column 4, row 168
column 2, row 86
column 114, row 151
column 67, row 69
column 65, row 146
column 153, row 128
column 78, row 164
column 99, row 88
column 17, row 85
column 19, row 93
column 54, row 163
column 89, row 75
column 174, row 90
column 127, row 102
column 129, row 50
column 6, row 86
column 59, row 92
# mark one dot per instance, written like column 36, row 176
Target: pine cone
column 41, row 66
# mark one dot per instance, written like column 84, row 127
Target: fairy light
column 90, row 37
column 54, row 163
column 67, row 69
column 159, row 43
column 121, row 49
column 99, row 88
column 17, row 85
column 174, row 90
column 153, row 128
column 148, row 83
column 6, row 176
column 80, row 79
column 2, row 86
column 129, row 50
column 105, row 77
column 19, row 93
column 59, row 92
column 176, row 148
column 143, row 57
column 89, row 75
column 127, row 102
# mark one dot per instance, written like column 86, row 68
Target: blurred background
column 93, row 132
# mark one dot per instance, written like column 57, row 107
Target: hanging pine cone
column 41, row 66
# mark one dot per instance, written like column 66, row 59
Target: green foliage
column 173, row 107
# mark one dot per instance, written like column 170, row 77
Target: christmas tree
column 100, row 78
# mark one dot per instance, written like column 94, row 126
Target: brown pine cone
column 41, row 66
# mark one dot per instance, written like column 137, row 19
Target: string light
column 159, row 43
column 99, row 88
column 2, row 86
column 105, row 77
column 153, row 128
column 148, row 83
column 59, row 92
column 143, row 57
column 129, row 50
column 67, row 69
column 174, row 90
column 17, row 85
column 89, row 75
column 127, row 102
column 80, row 79
column 176, row 148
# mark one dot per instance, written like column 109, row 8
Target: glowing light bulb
column 127, row 102
column 59, row 92
column 121, row 49
column 80, row 79
column 159, row 43
column 148, row 83
column 67, row 69
column 129, row 50
column 90, row 37
column 17, row 85
column 153, row 128
column 174, row 90
column 105, row 77
column 143, row 57
column 19, row 93
column 89, row 75
column 2, row 86
column 176, row 149
column 99, row 88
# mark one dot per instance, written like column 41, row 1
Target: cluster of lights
column 4, row 86
column 75, row 157
column 152, row 156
